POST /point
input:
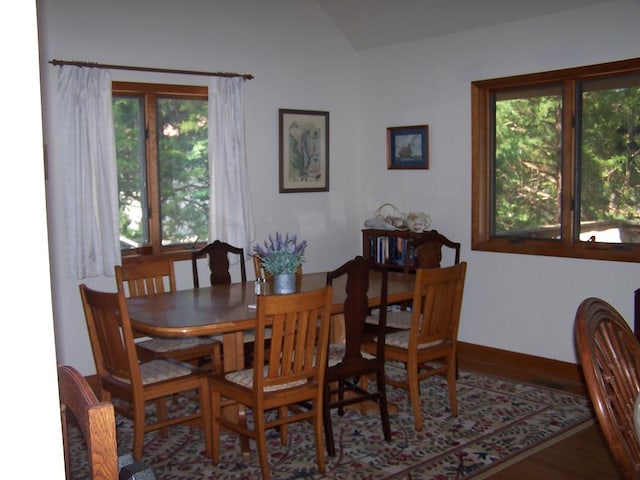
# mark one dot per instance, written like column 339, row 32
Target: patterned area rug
column 499, row 422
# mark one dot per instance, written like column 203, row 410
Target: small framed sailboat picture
column 408, row 147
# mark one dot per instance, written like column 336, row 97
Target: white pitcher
column 418, row 221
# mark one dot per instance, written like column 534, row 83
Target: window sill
column 146, row 255
column 585, row 250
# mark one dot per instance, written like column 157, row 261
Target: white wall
column 300, row 60
column 516, row 302
column 31, row 421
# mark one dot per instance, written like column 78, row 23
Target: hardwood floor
column 584, row 455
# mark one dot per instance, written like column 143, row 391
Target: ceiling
column 376, row 23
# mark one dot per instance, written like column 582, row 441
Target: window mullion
column 569, row 210
column 153, row 189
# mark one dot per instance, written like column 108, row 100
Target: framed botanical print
column 304, row 151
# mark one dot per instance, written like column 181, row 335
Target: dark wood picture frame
column 304, row 150
column 408, row 147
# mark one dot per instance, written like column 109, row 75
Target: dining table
column 230, row 310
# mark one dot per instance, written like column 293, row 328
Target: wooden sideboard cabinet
column 389, row 247
column 395, row 248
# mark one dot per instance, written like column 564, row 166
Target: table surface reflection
column 225, row 308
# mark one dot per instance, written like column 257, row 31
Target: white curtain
column 230, row 218
column 88, row 162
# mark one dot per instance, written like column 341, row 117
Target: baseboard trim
column 519, row 365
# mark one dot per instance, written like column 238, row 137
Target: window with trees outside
column 556, row 163
column 162, row 155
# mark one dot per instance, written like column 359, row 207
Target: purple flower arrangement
column 282, row 254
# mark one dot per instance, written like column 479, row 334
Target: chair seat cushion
column 159, row 370
column 401, row 339
column 162, row 345
column 400, row 319
column 245, row 378
column 248, row 336
column 336, row 354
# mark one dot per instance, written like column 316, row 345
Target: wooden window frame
column 150, row 92
column 481, row 97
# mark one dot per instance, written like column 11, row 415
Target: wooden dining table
column 229, row 310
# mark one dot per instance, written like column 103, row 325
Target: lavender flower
column 282, row 255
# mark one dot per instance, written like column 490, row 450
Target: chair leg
column 317, row 430
column 242, row 421
column 284, row 432
column 138, row 431
column 261, row 443
column 161, row 413
column 326, row 418
column 341, row 388
column 414, row 394
column 451, row 381
column 216, row 359
column 382, row 404
column 216, row 400
column 205, row 410
column 364, row 384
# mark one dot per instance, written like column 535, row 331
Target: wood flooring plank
column 584, row 455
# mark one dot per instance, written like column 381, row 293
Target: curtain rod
column 246, row 76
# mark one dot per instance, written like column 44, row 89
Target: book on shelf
column 391, row 250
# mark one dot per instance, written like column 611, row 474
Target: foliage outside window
column 556, row 163
column 162, row 155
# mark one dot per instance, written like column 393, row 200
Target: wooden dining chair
column 346, row 378
column 97, row 423
column 428, row 251
column 249, row 336
column 428, row 254
column 290, row 373
column 154, row 277
column 121, row 375
column 217, row 254
column 609, row 354
column 429, row 347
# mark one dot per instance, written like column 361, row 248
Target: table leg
column 233, row 359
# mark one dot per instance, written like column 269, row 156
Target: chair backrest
column 96, row 421
column 146, row 278
column 262, row 273
column 218, row 254
column 437, row 302
column 610, row 357
column 111, row 335
column 428, row 251
column 297, row 352
column 356, row 304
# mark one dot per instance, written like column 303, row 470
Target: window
column 162, row 155
column 556, row 163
